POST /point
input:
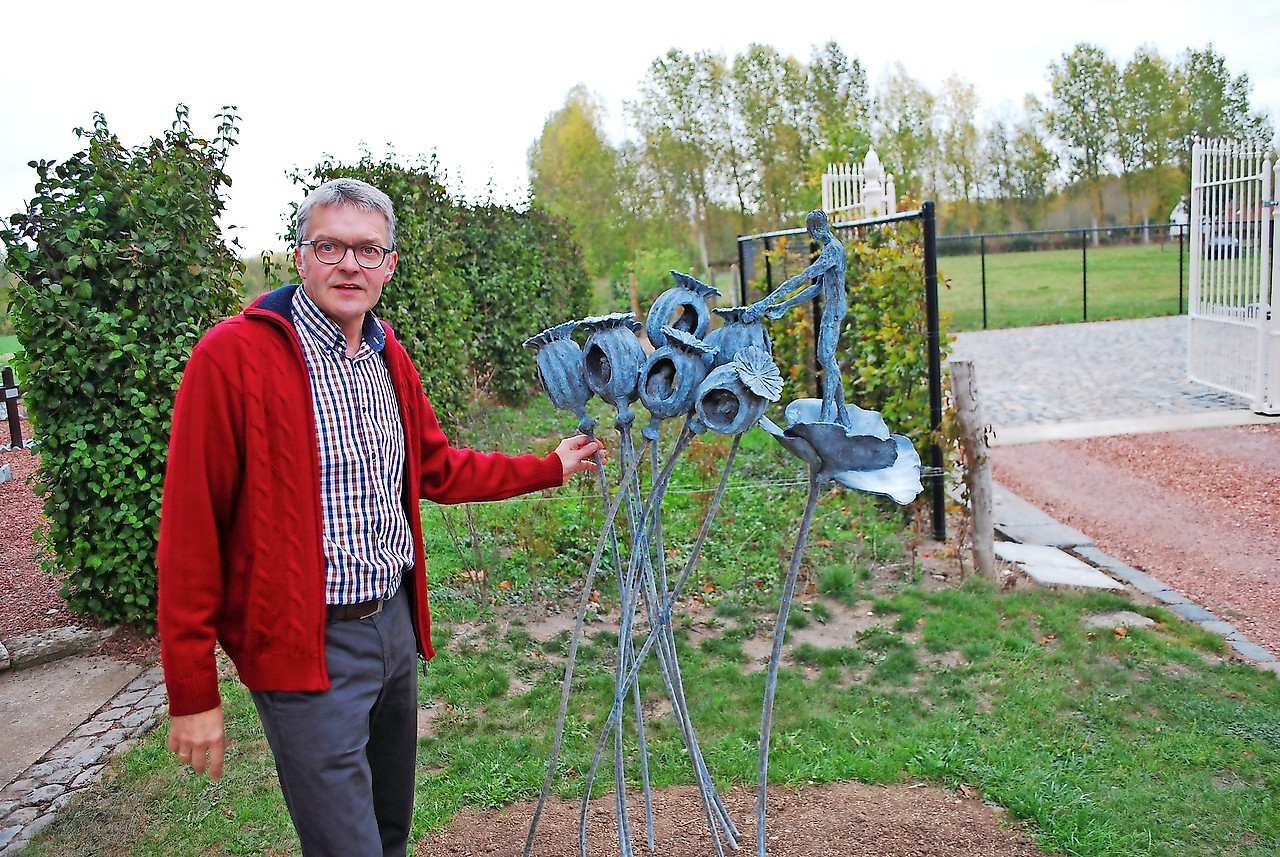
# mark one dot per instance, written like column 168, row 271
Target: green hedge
column 120, row 268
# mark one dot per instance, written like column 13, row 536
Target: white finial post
column 873, row 185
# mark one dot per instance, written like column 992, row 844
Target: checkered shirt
column 367, row 540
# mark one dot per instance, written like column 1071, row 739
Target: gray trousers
column 346, row 756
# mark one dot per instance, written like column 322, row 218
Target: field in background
column 1050, row 286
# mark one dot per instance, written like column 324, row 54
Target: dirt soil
column 839, row 820
column 1194, row 509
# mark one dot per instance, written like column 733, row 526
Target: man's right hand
column 199, row 741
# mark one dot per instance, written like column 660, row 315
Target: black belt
column 362, row 610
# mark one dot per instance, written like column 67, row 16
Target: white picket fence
column 1234, row 332
column 857, row 192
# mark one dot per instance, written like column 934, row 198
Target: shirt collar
column 311, row 319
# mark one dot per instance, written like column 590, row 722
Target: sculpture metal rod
column 628, row 593
column 667, row 645
column 771, row 681
column 659, row 621
column 712, row 804
column 583, row 601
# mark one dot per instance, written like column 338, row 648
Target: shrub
column 120, row 268
column 526, row 274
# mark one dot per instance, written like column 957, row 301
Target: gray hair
column 353, row 192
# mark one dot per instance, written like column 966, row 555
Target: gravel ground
column 32, row 602
column 1194, row 509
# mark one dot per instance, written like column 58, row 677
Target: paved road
column 1102, row 370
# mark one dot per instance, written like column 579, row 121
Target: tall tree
column 1085, row 84
column 1217, row 104
column 573, row 173
column 1151, row 105
column 959, row 150
column 769, row 96
column 674, row 120
column 903, row 130
column 837, row 108
column 1034, row 165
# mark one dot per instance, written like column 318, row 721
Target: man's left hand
column 576, row 454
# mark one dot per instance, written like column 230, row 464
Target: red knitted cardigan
column 240, row 556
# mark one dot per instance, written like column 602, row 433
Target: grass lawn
column 8, row 346
column 1150, row 743
column 1049, row 286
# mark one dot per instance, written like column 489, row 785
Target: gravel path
column 1094, row 371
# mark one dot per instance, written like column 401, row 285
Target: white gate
column 850, row 192
column 1234, row 334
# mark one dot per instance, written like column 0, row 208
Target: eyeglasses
column 332, row 252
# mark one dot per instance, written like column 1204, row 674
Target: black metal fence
column 755, row 265
column 1106, row 285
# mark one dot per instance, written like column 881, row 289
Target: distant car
column 1222, row 247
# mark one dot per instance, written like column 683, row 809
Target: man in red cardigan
column 291, row 534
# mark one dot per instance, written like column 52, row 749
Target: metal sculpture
column 721, row 381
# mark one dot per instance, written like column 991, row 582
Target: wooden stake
column 977, row 473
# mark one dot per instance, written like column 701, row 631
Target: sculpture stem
column 771, row 681
column 583, row 601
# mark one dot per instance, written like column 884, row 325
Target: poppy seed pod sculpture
column 611, row 360
column 671, row 375
column 561, row 373
column 733, row 397
column 736, row 334
column 683, row 307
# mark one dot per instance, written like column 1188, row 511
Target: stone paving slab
column 1119, row 619
column 1050, row 566
column 50, row 644
column 1072, row 373
column 1022, row 522
column 1139, row 580
column 78, row 759
column 1253, row 652
column 1194, row 613
column 41, row 705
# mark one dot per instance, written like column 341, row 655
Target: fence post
column 9, row 390
column 1180, row 263
column 973, row 439
column 1084, row 274
column 982, row 256
column 929, row 227
column 741, row 279
column 768, row 269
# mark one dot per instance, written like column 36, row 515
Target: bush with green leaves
column 526, row 274
column 119, row 269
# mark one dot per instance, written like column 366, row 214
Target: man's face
column 345, row 291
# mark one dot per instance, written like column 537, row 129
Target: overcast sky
column 473, row 83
